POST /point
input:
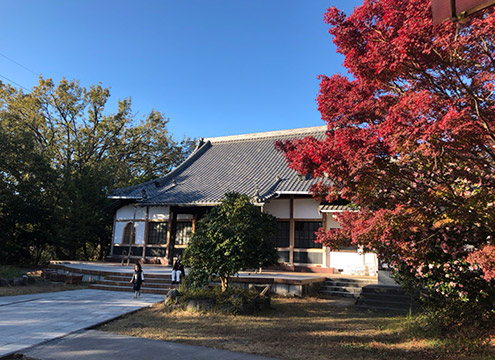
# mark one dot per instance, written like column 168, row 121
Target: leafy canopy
column 411, row 142
column 233, row 236
column 62, row 152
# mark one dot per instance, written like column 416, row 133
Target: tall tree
column 26, row 197
column 87, row 152
column 411, row 143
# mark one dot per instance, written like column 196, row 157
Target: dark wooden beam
column 443, row 10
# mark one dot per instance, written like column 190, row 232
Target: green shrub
column 455, row 298
column 234, row 300
column 197, row 278
column 9, row 272
column 233, row 236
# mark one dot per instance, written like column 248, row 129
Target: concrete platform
column 27, row 320
column 283, row 283
column 93, row 344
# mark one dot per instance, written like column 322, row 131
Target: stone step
column 340, row 294
column 353, row 279
column 148, row 275
column 344, row 287
column 349, row 283
column 383, row 289
column 386, row 297
column 144, row 290
column 164, row 280
column 148, row 284
column 332, row 289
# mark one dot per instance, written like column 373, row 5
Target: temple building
column 155, row 220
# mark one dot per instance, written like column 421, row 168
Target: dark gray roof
column 336, row 208
column 248, row 164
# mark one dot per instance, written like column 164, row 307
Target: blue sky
column 214, row 67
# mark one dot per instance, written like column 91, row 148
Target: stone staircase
column 344, row 287
column 370, row 295
column 384, row 297
column 153, row 283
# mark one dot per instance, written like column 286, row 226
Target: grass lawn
column 40, row 286
column 307, row 328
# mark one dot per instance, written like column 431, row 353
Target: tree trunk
column 225, row 283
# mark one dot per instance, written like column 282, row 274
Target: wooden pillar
column 292, row 231
column 195, row 219
column 324, row 248
column 113, row 233
column 146, row 231
column 172, row 230
column 167, row 245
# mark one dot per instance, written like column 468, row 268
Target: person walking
column 177, row 270
column 137, row 279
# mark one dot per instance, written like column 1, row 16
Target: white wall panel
column 279, row 208
column 139, row 227
column 159, row 212
column 127, row 213
column 119, row 230
column 331, row 222
column 306, row 209
column 353, row 263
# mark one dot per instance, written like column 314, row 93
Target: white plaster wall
column 139, row 227
column 353, row 263
column 119, row 229
column 331, row 222
column 306, row 209
column 159, row 212
column 280, row 208
column 185, row 216
column 127, row 213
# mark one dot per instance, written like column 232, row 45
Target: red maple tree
column 411, row 142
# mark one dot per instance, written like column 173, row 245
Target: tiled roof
column 336, row 208
column 248, row 164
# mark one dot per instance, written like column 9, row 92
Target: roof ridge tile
column 267, row 134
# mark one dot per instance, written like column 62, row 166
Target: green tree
column 73, row 153
column 233, row 236
column 26, row 198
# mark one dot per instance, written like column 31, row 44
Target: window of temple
column 282, row 236
column 157, row 232
column 129, row 235
column 183, row 233
column 304, row 237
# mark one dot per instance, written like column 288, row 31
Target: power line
column 22, row 66
column 13, row 82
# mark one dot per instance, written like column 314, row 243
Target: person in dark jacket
column 177, row 271
column 137, row 279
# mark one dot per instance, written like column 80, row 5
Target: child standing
column 137, row 279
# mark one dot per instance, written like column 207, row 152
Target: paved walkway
column 27, row 320
column 93, row 344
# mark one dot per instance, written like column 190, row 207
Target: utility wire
column 13, row 82
column 22, row 66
